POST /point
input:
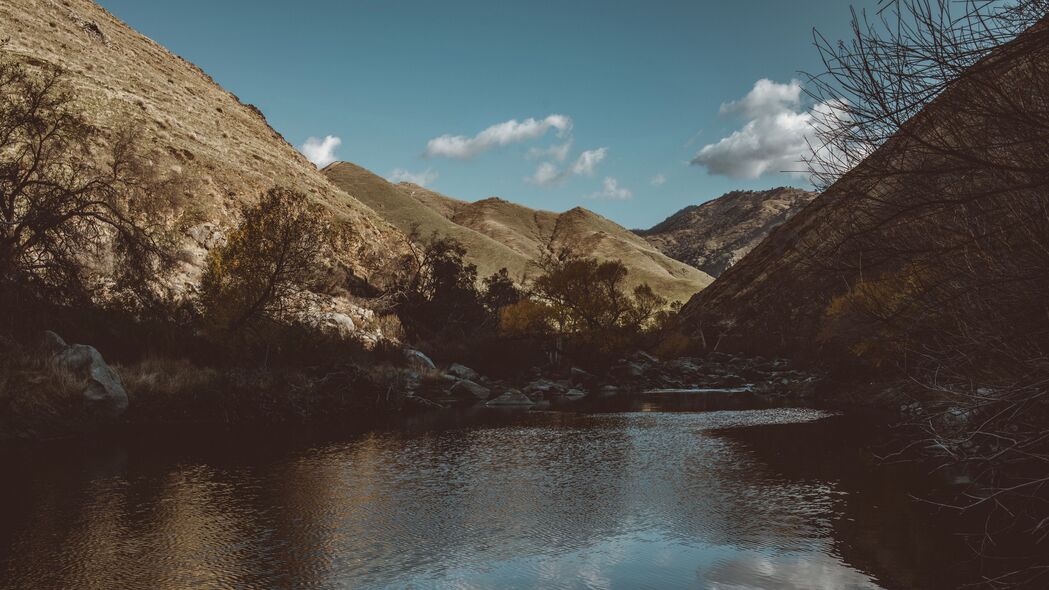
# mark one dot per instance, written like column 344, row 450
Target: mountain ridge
column 499, row 233
column 714, row 235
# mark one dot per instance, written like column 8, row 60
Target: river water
column 646, row 498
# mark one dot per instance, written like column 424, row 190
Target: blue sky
column 622, row 96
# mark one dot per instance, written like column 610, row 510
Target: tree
column 261, row 274
column 435, row 290
column 68, row 216
column 584, row 302
column 499, row 291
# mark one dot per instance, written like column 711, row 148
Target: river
column 644, row 498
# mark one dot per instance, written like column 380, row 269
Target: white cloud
column 766, row 97
column 546, row 174
column 588, row 161
column 558, row 152
column 320, row 151
column 658, row 180
column 778, row 136
column 423, row 178
column 610, row 189
column 503, row 134
column 549, row 174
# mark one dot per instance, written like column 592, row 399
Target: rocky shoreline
column 100, row 398
column 457, row 385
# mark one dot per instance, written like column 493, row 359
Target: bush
column 258, row 279
column 581, row 306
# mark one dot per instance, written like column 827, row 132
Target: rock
column 575, row 394
column 104, row 394
column 544, row 387
column 609, row 390
column 52, row 343
column 512, row 398
column 577, row 376
column 418, row 360
column 465, row 386
column 338, row 323
column 463, row 372
column 643, row 357
column 627, row 370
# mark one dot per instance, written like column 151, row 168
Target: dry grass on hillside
column 498, row 233
column 195, row 127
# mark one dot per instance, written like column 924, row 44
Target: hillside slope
column 715, row 235
column 498, row 233
column 951, row 207
column 397, row 206
column 194, row 126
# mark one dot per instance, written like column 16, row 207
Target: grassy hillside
column 498, row 233
column 195, row 127
column 397, row 206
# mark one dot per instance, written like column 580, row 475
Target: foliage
column 584, row 303
column 499, row 291
column 66, row 220
column 436, row 294
column 260, row 276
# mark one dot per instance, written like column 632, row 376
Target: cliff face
column 717, row 234
column 192, row 126
column 498, row 233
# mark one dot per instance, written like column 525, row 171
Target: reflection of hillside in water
column 548, row 499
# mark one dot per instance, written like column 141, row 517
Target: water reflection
column 535, row 500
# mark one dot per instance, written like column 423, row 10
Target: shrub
column 259, row 278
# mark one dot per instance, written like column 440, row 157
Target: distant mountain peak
column 714, row 235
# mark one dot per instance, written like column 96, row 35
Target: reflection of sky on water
column 554, row 501
column 649, row 561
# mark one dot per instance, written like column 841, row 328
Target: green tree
column 499, row 291
column 586, row 303
column 435, row 290
column 262, row 273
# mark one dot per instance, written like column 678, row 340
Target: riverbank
column 45, row 394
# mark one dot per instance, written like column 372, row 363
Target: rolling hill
column 498, row 233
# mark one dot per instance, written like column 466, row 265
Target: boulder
column 609, row 391
column 573, row 394
column 52, row 343
column 418, row 360
column 578, row 376
column 512, row 398
column 337, row 323
column 627, row 370
column 643, row 357
column 104, row 394
column 544, row 387
column 467, row 387
column 463, row 372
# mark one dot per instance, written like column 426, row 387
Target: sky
column 631, row 109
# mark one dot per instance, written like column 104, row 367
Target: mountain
column 717, row 234
column 194, row 126
column 498, row 233
column 940, row 231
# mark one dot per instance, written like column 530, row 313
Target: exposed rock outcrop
column 718, row 233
